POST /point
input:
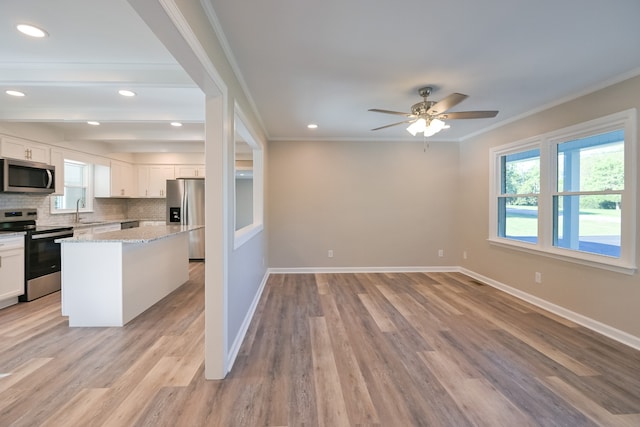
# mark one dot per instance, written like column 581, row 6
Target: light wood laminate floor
column 415, row 349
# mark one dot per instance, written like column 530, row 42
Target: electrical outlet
column 538, row 277
column 330, row 253
column 441, row 252
column 464, row 254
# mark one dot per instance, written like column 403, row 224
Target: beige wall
column 389, row 204
column 608, row 297
column 380, row 204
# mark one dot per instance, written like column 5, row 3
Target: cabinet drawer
column 12, row 243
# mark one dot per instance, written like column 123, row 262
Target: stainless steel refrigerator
column 185, row 205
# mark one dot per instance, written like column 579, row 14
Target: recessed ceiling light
column 125, row 92
column 32, row 31
column 176, row 124
column 312, row 126
column 93, row 123
column 14, row 93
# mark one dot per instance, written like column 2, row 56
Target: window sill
column 595, row 261
column 245, row 234
column 69, row 211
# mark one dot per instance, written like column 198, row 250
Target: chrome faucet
column 78, row 209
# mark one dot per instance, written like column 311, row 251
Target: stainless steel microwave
column 23, row 176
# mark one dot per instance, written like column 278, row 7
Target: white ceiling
column 329, row 61
column 323, row 62
column 95, row 48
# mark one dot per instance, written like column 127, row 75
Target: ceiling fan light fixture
column 416, row 127
column 434, row 127
column 420, row 126
column 424, row 116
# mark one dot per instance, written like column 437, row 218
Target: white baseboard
column 587, row 322
column 320, row 270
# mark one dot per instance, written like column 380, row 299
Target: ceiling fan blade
column 377, row 110
column 446, row 103
column 395, row 124
column 468, row 115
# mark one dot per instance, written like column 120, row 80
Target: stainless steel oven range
column 41, row 253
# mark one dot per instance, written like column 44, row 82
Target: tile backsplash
column 149, row 209
column 103, row 209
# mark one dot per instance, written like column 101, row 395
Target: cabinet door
column 152, row 180
column 101, row 180
column 122, row 181
column 190, row 171
column 11, row 268
column 57, row 159
column 158, row 176
column 38, row 153
column 15, row 148
column 143, row 180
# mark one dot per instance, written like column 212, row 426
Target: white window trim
column 548, row 143
column 246, row 233
column 88, row 203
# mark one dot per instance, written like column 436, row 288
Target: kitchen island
column 110, row 278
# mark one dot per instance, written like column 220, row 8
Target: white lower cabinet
column 11, row 267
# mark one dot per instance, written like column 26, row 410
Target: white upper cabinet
column 190, row 171
column 115, row 180
column 57, row 160
column 152, row 180
column 122, row 180
column 22, row 149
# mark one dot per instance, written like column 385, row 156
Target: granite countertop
column 132, row 235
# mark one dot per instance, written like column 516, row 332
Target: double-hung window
column 78, row 193
column 519, row 194
column 570, row 193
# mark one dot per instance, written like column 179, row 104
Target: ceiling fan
column 428, row 116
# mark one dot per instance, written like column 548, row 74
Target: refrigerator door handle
column 185, row 204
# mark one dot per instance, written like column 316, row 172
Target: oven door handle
column 50, row 235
